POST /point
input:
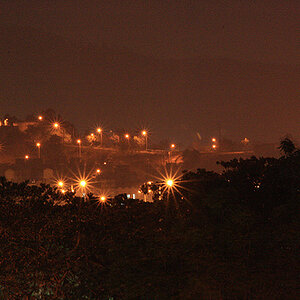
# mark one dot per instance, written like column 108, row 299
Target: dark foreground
column 230, row 236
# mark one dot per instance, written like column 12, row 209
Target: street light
column 172, row 147
column 56, row 125
column 98, row 171
column 213, row 140
column 127, row 137
column 82, row 183
column 26, row 157
column 79, row 147
column 102, row 198
column 144, row 133
column 60, row 184
column 39, row 149
column 169, row 182
column 40, row 118
column 99, row 130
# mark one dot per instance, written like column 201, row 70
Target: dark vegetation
column 228, row 236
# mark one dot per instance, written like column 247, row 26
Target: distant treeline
column 228, row 236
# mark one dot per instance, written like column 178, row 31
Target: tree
column 287, row 146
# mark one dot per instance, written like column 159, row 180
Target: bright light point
column 26, row 156
column 40, row 118
column 214, row 146
column 127, row 136
column 92, row 134
column 102, row 198
column 78, row 141
column 172, row 145
column 60, row 183
column 98, row 171
column 104, row 163
column 144, row 132
column 214, row 140
column 170, row 182
column 38, row 145
column 82, row 183
column 55, row 125
column 99, row 130
column 63, row 191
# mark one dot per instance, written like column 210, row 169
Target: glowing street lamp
column 60, row 183
column 145, row 134
column 127, row 137
column 82, row 183
column 172, row 147
column 40, row 118
column 56, row 125
column 99, row 130
column 98, row 171
column 102, row 198
column 214, row 147
column 245, row 141
column 26, row 157
column 213, row 140
column 39, row 149
column 169, row 182
column 79, row 147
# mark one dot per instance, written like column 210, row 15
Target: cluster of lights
column 99, row 130
column 83, row 184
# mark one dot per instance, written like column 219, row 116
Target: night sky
column 175, row 67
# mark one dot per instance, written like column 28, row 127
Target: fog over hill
column 174, row 98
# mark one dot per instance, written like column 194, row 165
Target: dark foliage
column 228, row 236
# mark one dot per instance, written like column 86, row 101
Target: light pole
column 99, row 130
column 83, row 186
column 39, row 149
column 79, row 147
column 172, row 146
column 144, row 133
column 127, row 137
column 26, row 158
